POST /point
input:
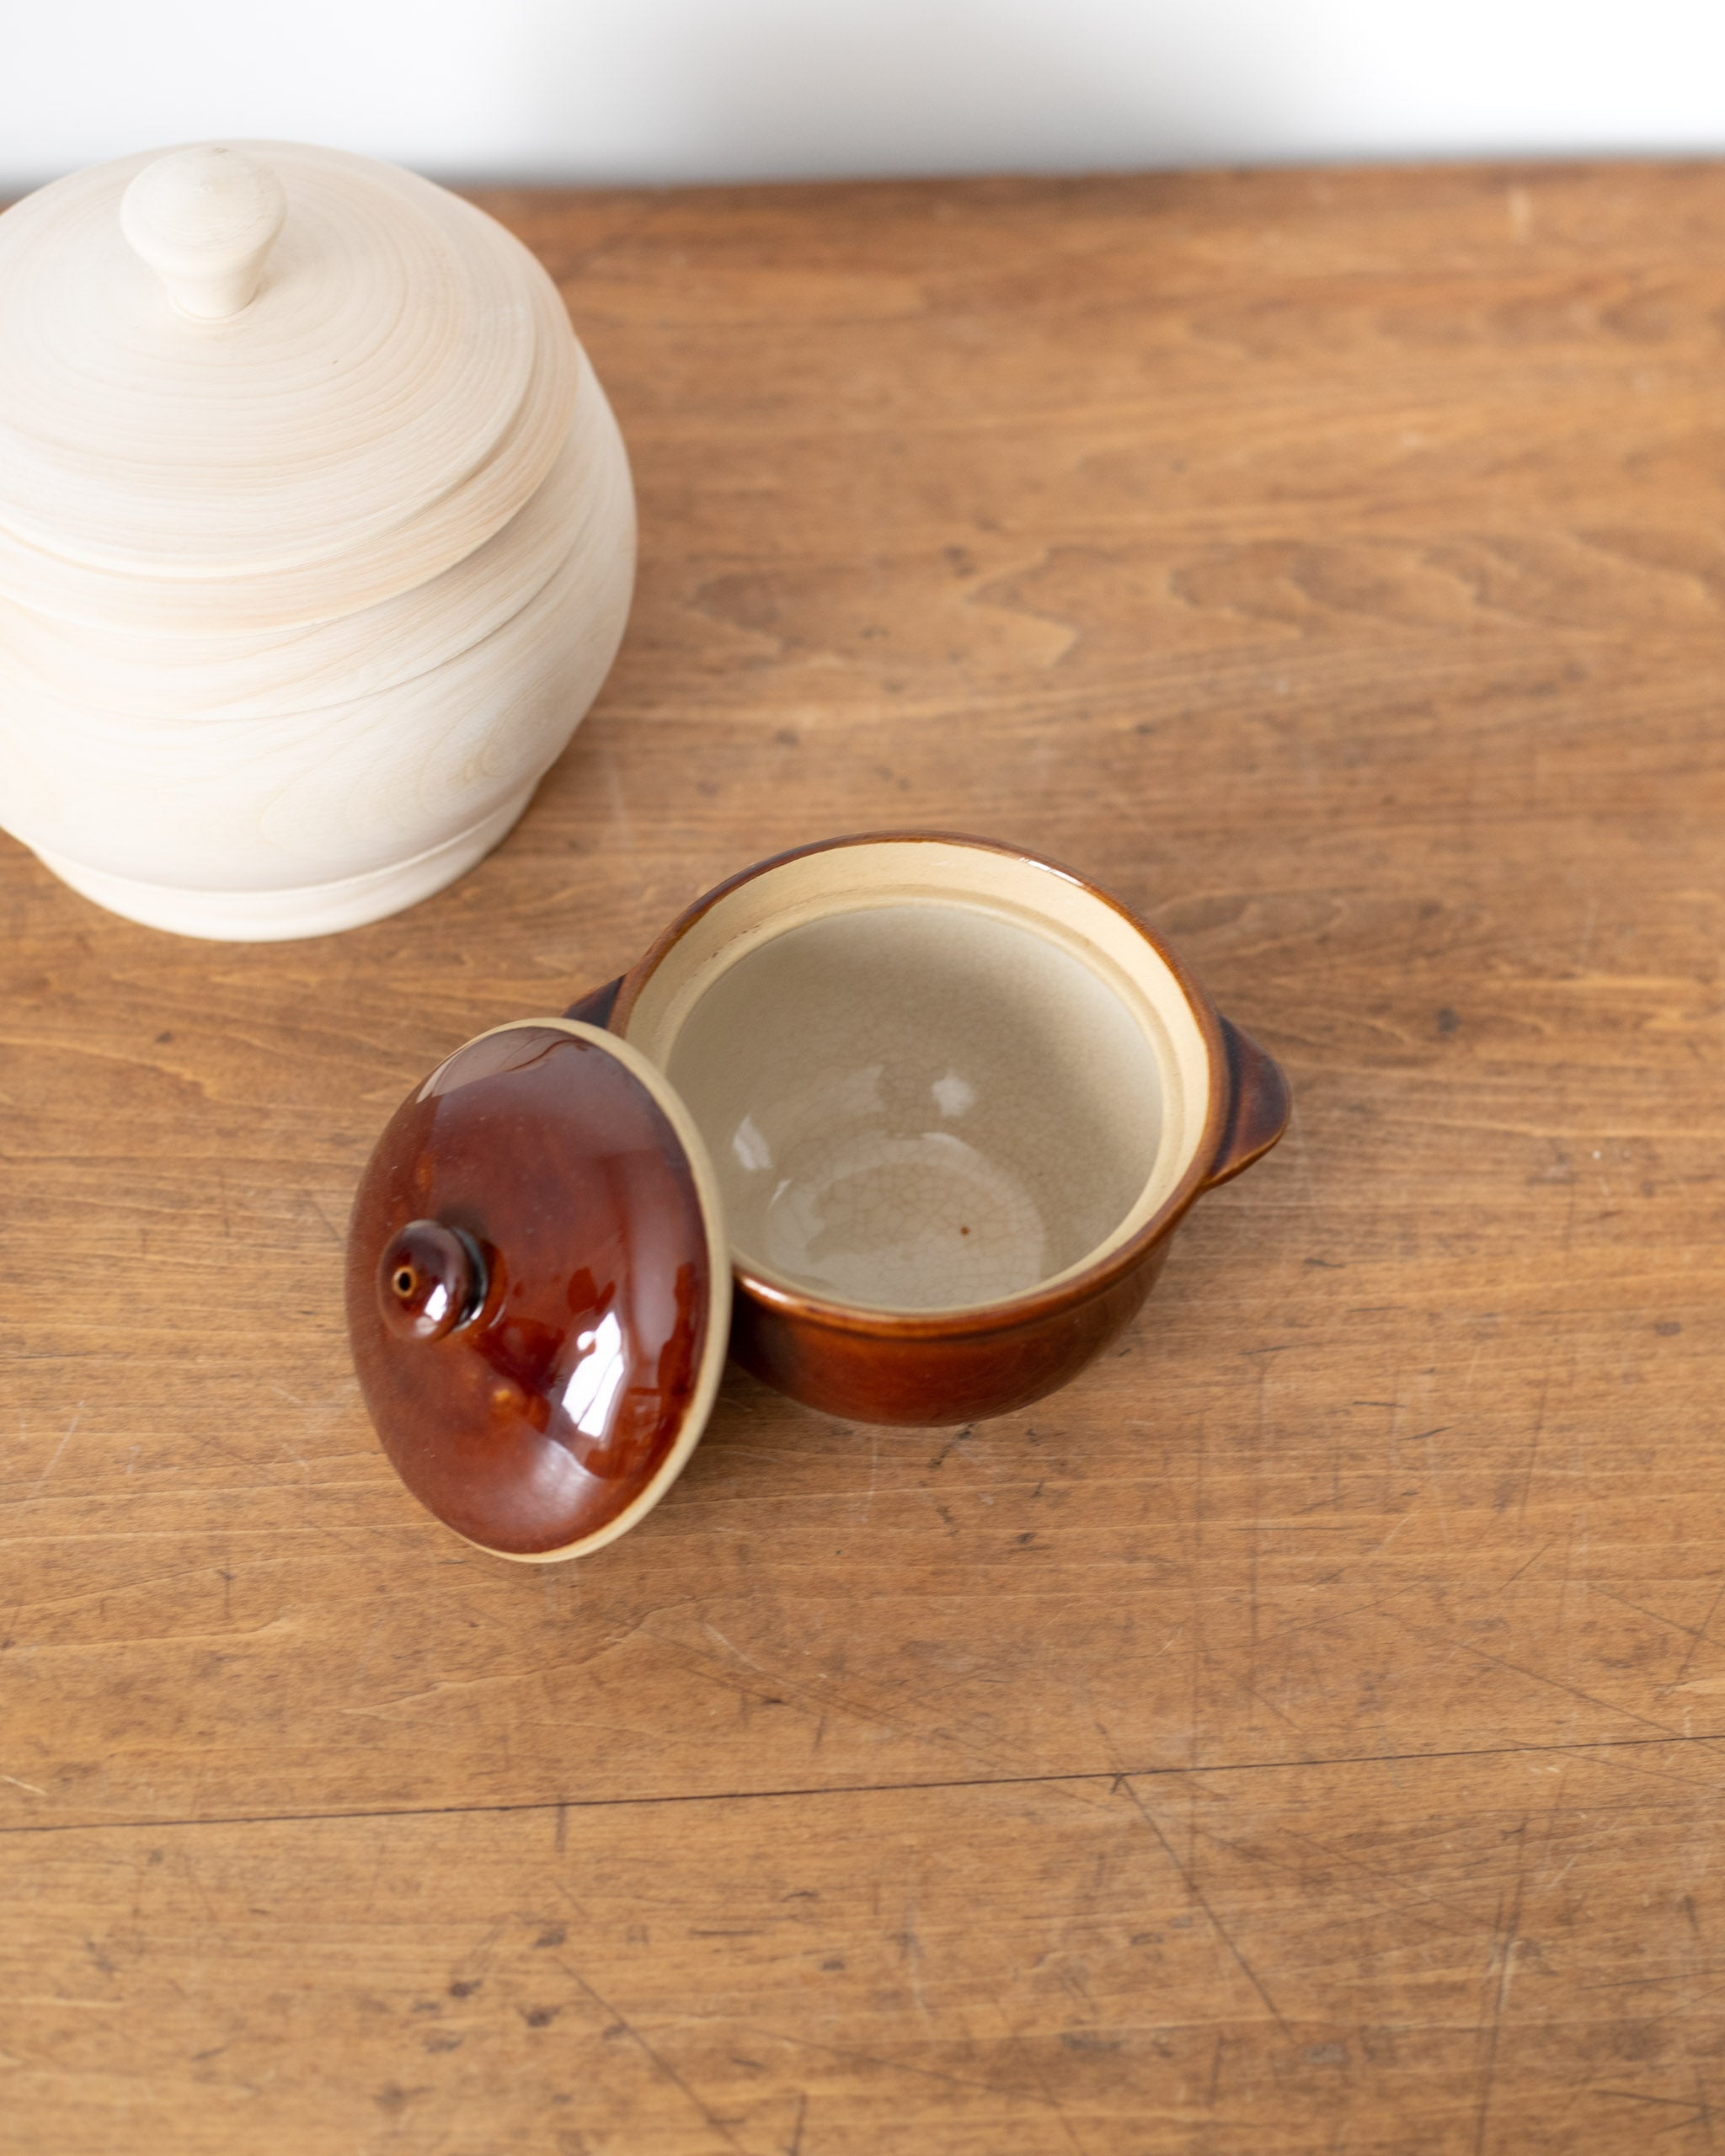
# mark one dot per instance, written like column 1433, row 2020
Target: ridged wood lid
column 178, row 450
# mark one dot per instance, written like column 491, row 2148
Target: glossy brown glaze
column 950, row 1368
column 431, row 1278
column 1259, row 1105
column 595, row 1006
column 533, row 1422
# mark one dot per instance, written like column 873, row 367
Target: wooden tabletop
column 1304, row 1733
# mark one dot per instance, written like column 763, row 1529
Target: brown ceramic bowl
column 957, row 1100
column 943, row 1102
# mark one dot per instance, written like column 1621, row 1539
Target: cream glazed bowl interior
column 953, row 1092
column 929, row 1077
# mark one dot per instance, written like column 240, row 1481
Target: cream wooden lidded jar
column 317, row 538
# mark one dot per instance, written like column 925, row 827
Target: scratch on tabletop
column 190, row 1872
column 1054, row 2103
column 1435, row 1475
column 18, row 1782
column 1270, row 1707
column 70, row 1432
column 385, row 1840
column 1200, row 1643
column 731, row 1646
column 617, row 803
column 792, row 2039
column 1587, row 932
column 1701, row 1635
column 1556, row 1684
column 958, row 1438
column 1502, row 1952
column 812, row 1699
column 1603, row 1756
column 662, row 2065
column 1533, row 1450
column 1699, row 2112
column 912, row 1945
column 1404, row 1902
column 365, row 1660
column 1188, row 1874
column 335, row 1234
column 1524, row 1565
column 1652, row 1616
column 1684, row 2006
column 1551, row 1818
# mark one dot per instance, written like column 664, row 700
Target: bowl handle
column 1257, row 1109
column 595, row 1007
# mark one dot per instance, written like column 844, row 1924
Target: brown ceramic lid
column 538, row 1289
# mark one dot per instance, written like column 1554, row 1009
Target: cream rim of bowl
column 792, row 1014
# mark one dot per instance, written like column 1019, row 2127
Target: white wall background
column 606, row 90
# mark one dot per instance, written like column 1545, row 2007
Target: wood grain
column 1300, row 1733
column 297, row 606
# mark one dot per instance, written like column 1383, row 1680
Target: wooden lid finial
column 204, row 221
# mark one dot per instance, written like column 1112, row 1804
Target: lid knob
column 430, row 1279
column 205, row 220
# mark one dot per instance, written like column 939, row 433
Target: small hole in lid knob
column 431, row 1279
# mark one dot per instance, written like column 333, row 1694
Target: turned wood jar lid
column 539, row 1289
column 252, row 385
